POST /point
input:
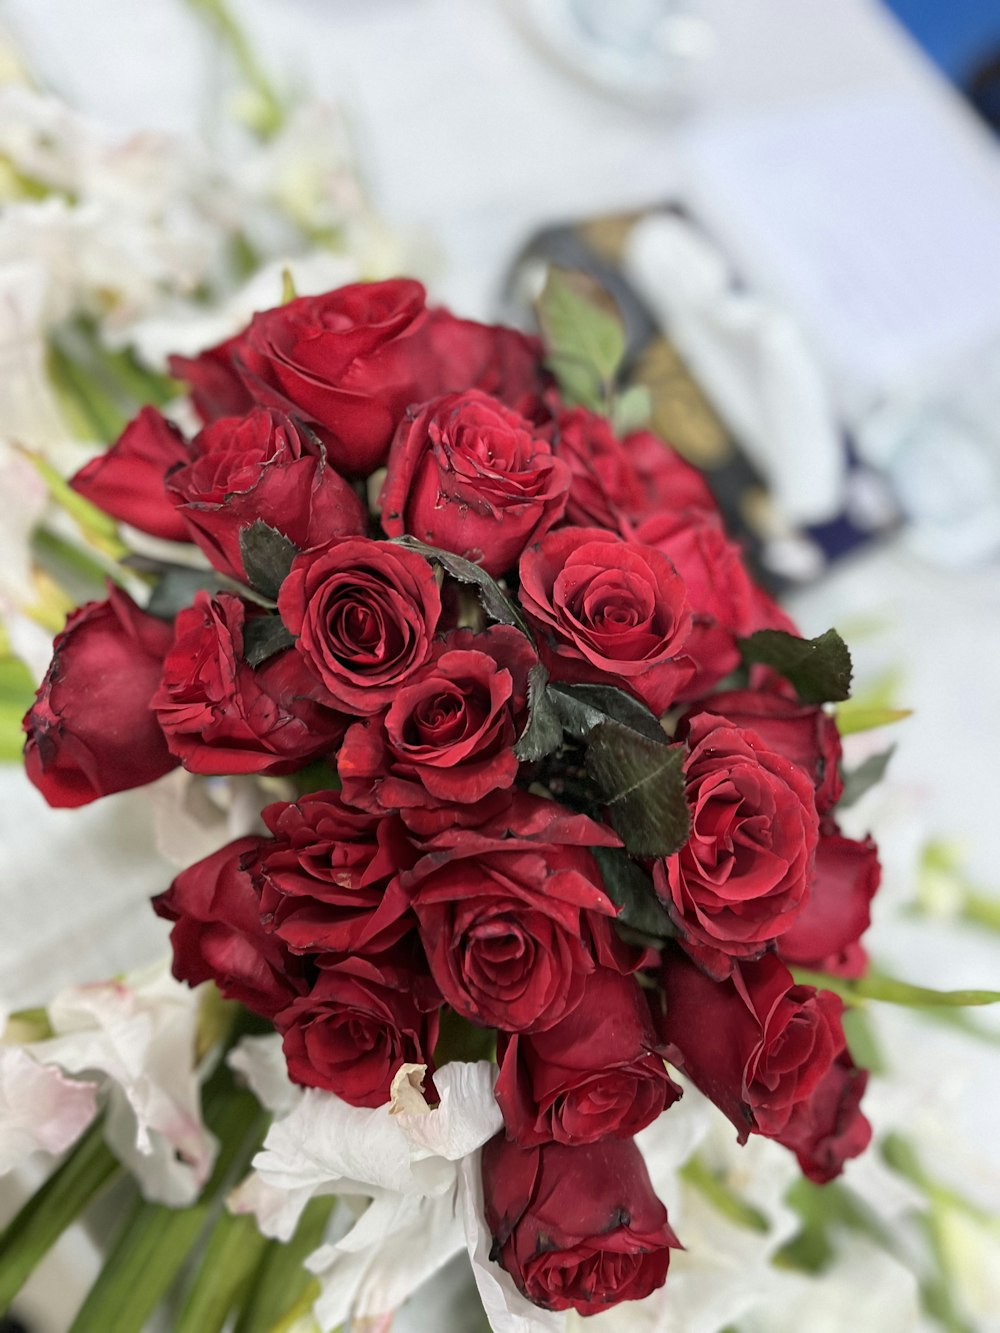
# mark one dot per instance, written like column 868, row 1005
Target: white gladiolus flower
column 41, row 1110
column 135, row 1039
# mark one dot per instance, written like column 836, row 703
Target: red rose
column 220, row 715
column 502, row 362
column 576, row 1228
column 608, row 611
column 324, row 880
column 468, row 475
column 449, row 734
column 261, row 466
column 826, row 934
column 217, row 935
column 127, row 481
column 348, row 362
column 801, row 732
column 770, row 1054
column 358, row 1024
column 365, row 613
column 596, row 1075
column 513, row 914
column 617, row 483
column 722, row 595
column 742, row 877
column 90, row 729
column 216, row 384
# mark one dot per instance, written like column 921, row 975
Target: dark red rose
column 770, row 1054
column 502, row 362
column 325, row 880
column 261, row 466
column 449, row 734
column 513, row 914
column 348, row 362
column 722, row 595
column 365, row 613
column 743, row 876
column 469, row 475
column 217, row 935
column 618, row 483
column 216, row 384
column 608, row 611
column 90, row 729
column 597, row 1074
column 668, row 481
column 358, row 1024
column 826, row 935
column 220, row 715
column 576, row 1228
column 127, row 481
column 801, row 732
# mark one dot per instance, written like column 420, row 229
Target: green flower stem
column 283, row 1286
column 696, row 1173
column 98, row 528
column 876, row 986
column 157, row 1241
column 225, row 1273
column 87, row 1171
column 78, row 560
column 90, row 409
column 271, row 114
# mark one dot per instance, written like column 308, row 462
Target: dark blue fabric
column 958, row 35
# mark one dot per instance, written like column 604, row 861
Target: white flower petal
column 261, row 1062
column 40, row 1108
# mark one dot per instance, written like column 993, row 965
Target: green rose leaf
column 819, row 669
column 263, row 636
column 497, row 605
column 543, row 732
column 643, row 785
column 267, row 556
column 584, row 337
column 630, row 888
column 581, row 708
column 866, row 775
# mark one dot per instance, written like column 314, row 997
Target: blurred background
column 797, row 207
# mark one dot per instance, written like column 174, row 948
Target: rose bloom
column 801, row 732
column 261, row 466
column 90, row 730
column 217, row 935
column 597, row 1074
column 469, row 475
column 214, row 380
column 504, row 363
column 608, row 611
column 365, row 613
column 326, row 878
column 449, row 735
column 618, row 483
column 127, row 481
column 220, row 715
column 743, row 875
column 349, row 362
column 827, row 932
column 513, row 914
column 771, row 1055
column 576, row 1228
column 360, row 1021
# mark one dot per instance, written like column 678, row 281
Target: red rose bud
column 502, row 362
column 608, row 611
column 358, row 1024
column 596, row 1075
column 327, row 881
column 743, row 876
column 217, row 935
column 449, row 735
column 803, row 733
column 513, row 914
column 722, row 595
column 90, row 729
column 469, row 475
column 607, row 489
column 576, row 1228
column 826, row 935
column 348, row 362
column 128, row 481
column 215, row 381
column 261, row 466
column 220, row 715
column 770, row 1054
column 365, row 613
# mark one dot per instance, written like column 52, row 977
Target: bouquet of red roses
column 564, row 785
